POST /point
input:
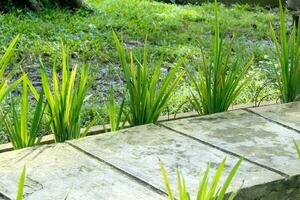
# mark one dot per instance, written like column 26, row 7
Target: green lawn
column 172, row 30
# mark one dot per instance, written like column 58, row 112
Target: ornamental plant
column 218, row 82
column 146, row 99
column 288, row 54
column 16, row 122
column 5, row 88
column 65, row 99
column 206, row 191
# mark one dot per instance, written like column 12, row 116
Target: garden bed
column 88, row 34
column 227, row 61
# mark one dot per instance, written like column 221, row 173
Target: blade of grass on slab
column 166, row 180
column 297, row 148
column 229, row 179
column 21, row 184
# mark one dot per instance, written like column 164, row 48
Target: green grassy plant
column 65, row 100
column 16, row 124
column 218, row 82
column 146, row 101
column 297, row 148
column 205, row 191
column 79, row 30
column 115, row 113
column 21, row 184
column 288, row 54
column 4, row 79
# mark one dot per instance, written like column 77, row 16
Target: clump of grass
column 217, row 82
column 146, row 100
column 4, row 79
column 16, row 124
column 115, row 113
column 65, row 100
column 205, row 191
column 288, row 54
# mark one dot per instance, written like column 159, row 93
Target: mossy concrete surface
column 125, row 164
column 57, row 171
column 285, row 114
column 138, row 151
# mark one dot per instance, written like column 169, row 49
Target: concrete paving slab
column 287, row 114
column 55, row 171
column 245, row 134
column 138, row 150
column 125, row 164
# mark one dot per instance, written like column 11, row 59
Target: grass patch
column 172, row 31
column 218, row 83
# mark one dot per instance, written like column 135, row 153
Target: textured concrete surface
column 247, row 135
column 137, row 151
column 57, row 171
column 125, row 164
column 286, row 114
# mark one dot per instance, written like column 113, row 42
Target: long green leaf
column 21, row 184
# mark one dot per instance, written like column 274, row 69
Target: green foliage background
column 172, row 30
column 255, row 2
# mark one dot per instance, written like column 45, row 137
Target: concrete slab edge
column 129, row 175
column 227, row 151
column 98, row 129
column 271, row 120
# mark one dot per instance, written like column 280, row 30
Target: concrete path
column 125, row 165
